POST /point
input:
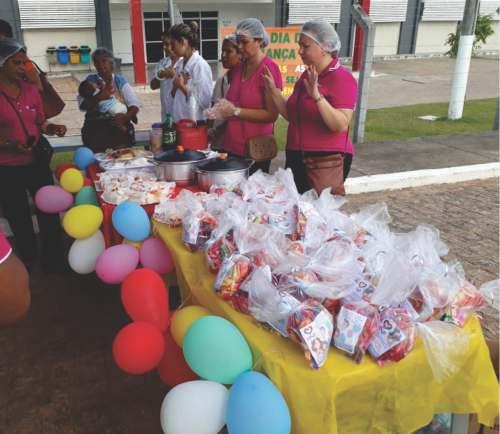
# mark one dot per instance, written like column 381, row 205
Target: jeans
column 15, row 184
column 295, row 161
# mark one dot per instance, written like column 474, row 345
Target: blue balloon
column 255, row 405
column 83, row 157
column 131, row 221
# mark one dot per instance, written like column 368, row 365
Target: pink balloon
column 116, row 263
column 52, row 199
column 156, row 256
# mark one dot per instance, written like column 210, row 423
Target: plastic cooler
column 74, row 55
column 63, row 55
column 192, row 136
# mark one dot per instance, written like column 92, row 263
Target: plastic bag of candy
column 369, row 220
column 233, row 272
column 361, row 291
column 312, row 228
column 468, row 300
column 311, row 325
column 356, row 324
column 395, row 337
column 445, row 345
column 172, row 211
column 197, row 228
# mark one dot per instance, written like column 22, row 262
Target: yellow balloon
column 137, row 244
column 71, row 180
column 183, row 319
column 82, row 221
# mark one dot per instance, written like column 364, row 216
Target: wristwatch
column 237, row 112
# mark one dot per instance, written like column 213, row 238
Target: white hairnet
column 9, row 47
column 323, row 34
column 253, row 28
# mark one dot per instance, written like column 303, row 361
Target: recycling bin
column 74, row 55
column 63, row 55
column 85, row 54
column 51, row 55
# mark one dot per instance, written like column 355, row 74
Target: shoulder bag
column 53, row 104
column 42, row 150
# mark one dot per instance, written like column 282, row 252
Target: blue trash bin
column 63, row 55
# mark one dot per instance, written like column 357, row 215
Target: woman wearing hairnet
column 24, row 160
column 248, row 108
column 321, row 106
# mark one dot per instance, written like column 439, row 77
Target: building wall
column 229, row 15
column 37, row 41
column 432, row 36
column 386, row 38
column 493, row 42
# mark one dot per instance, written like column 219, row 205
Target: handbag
column 42, row 150
column 261, row 148
column 53, row 104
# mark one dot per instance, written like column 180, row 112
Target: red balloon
column 138, row 348
column 62, row 167
column 173, row 368
column 145, row 298
column 87, row 181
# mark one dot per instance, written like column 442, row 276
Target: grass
column 398, row 123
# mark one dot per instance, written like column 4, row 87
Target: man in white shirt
column 163, row 75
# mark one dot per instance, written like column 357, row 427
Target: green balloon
column 86, row 196
column 216, row 350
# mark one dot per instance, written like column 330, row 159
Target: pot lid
column 180, row 155
column 225, row 162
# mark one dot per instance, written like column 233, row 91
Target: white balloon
column 194, row 407
column 83, row 253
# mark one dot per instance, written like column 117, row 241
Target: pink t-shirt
column 248, row 94
column 5, row 248
column 29, row 106
column 306, row 129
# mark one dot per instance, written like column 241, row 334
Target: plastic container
column 51, row 55
column 74, row 55
column 191, row 135
column 156, row 138
column 62, row 55
column 85, row 54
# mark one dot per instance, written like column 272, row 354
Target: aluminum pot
column 222, row 172
column 179, row 165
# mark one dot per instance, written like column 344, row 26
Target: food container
column 155, row 138
column 222, row 171
column 179, row 165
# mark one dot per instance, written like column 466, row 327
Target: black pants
column 295, row 161
column 15, row 184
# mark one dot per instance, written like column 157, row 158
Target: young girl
column 192, row 86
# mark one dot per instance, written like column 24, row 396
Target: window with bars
column 157, row 22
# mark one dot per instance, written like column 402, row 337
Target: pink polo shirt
column 306, row 129
column 5, row 249
column 248, row 93
column 29, row 105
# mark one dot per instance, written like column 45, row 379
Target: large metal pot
column 179, row 165
column 224, row 172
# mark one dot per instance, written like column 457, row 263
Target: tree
column 484, row 29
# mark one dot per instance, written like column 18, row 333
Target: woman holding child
column 111, row 106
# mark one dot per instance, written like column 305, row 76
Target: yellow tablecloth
column 343, row 397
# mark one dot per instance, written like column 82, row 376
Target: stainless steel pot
column 223, row 178
column 181, row 172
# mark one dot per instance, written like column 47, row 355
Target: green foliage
column 484, row 29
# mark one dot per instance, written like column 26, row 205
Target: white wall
column 37, row 41
column 120, row 29
column 432, row 36
column 386, row 38
column 493, row 42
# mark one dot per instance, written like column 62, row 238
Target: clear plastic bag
column 197, row 228
column 468, row 300
column 370, row 219
column 233, row 272
column 264, row 300
column 445, row 345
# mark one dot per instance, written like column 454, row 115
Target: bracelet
column 319, row 98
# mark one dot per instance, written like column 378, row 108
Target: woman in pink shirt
column 23, row 167
column 321, row 107
column 248, row 108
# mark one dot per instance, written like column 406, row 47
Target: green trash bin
column 85, row 54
